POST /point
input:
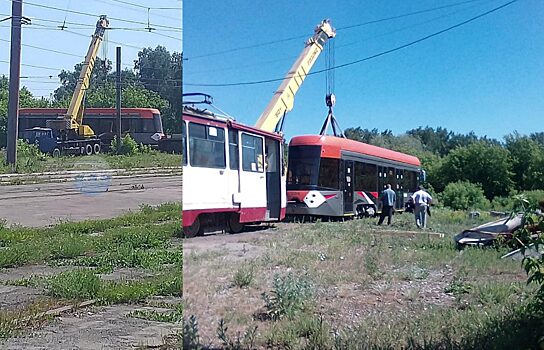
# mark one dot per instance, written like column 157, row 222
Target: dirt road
column 45, row 204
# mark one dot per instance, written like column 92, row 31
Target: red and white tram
column 233, row 174
column 336, row 177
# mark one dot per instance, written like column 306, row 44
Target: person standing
column 421, row 200
column 388, row 201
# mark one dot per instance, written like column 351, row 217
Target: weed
column 174, row 316
column 243, row 277
column 240, row 341
column 310, row 330
column 191, row 338
column 77, row 284
column 371, row 264
column 458, row 287
column 288, row 296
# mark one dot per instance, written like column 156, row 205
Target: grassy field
column 41, row 163
column 355, row 285
column 135, row 259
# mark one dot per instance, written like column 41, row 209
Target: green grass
column 123, row 241
column 33, row 164
column 410, row 289
column 85, row 284
column 140, row 242
column 173, row 316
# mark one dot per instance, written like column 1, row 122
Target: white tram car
column 233, row 174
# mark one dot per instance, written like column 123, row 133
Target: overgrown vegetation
column 531, row 239
column 353, row 285
column 127, row 259
column 31, row 160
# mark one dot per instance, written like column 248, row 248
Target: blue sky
column 44, row 34
column 486, row 76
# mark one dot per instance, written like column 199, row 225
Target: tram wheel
column 234, row 224
column 194, row 230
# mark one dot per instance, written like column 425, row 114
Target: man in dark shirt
column 388, row 201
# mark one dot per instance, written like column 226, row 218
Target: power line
column 45, row 49
column 338, row 29
column 89, row 14
column 73, row 55
column 34, row 66
column 368, row 57
column 146, row 8
column 92, row 26
column 260, row 63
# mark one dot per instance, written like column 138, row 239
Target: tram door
column 253, row 176
column 273, row 178
column 348, row 186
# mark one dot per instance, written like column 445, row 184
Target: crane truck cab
column 58, row 142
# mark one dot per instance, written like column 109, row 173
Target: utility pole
column 14, row 77
column 118, row 97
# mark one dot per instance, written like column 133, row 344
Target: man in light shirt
column 421, row 200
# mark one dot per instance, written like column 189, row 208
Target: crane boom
column 74, row 115
column 284, row 97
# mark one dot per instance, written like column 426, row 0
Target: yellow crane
column 284, row 98
column 73, row 119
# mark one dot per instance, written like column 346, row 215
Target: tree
column 481, row 163
column 160, row 71
column 527, row 159
column 25, row 100
column 361, row 135
column 436, row 141
column 100, row 74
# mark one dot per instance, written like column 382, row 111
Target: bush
column 507, row 203
column 244, row 276
column 463, row 195
column 289, row 295
column 127, row 146
column 29, row 157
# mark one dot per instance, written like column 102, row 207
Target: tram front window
column 307, row 170
column 303, row 167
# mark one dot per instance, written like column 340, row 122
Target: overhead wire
column 144, row 7
column 338, row 29
column 333, row 42
column 88, row 14
column 382, row 53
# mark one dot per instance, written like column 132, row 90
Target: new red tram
column 330, row 176
column 143, row 124
column 233, row 174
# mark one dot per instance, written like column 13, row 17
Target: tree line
column 153, row 82
column 457, row 162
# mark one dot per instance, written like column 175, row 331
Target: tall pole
column 118, row 97
column 14, row 77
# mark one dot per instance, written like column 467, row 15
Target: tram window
column 146, row 125
column 410, row 180
column 233, row 149
column 207, row 146
column 184, row 143
column 252, row 153
column 365, row 177
column 329, row 173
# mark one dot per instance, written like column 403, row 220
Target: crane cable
column 330, row 98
